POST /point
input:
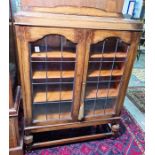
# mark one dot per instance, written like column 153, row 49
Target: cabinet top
column 28, row 18
column 91, row 7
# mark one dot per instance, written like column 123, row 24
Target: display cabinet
column 74, row 73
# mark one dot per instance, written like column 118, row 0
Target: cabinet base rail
column 72, row 135
column 71, row 140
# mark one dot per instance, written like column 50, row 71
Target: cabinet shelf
column 115, row 72
column 53, row 54
column 70, row 74
column 52, row 74
column 108, row 55
column 70, row 54
column 111, row 92
column 40, row 96
column 99, row 112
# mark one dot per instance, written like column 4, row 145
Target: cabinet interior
column 53, row 65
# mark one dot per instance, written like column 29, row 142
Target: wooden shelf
column 69, row 54
column 40, row 96
column 91, row 92
column 89, row 113
column 108, row 55
column 53, row 54
column 70, row 74
column 53, row 74
column 95, row 73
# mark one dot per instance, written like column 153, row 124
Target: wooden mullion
column 79, row 69
column 85, row 73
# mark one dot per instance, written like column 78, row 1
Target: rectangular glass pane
column 100, row 106
column 89, row 107
column 39, row 112
column 39, row 93
column 65, row 110
column 66, row 92
column 68, row 71
column 110, row 105
column 91, row 90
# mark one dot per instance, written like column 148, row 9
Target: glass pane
column 89, row 107
column 51, row 47
column 105, row 73
column 53, row 92
column 39, row 112
column 110, row 105
column 100, row 106
column 39, row 93
column 66, row 92
column 91, row 90
column 51, row 111
column 108, row 49
column 65, row 110
column 53, row 59
column 68, row 71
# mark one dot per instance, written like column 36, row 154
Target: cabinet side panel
column 23, row 58
column 11, row 101
column 19, row 53
column 128, row 69
column 13, row 132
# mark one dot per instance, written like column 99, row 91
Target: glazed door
column 53, row 59
column 104, row 74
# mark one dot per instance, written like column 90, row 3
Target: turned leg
column 28, row 139
column 115, row 128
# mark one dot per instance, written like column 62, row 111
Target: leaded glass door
column 53, row 63
column 104, row 75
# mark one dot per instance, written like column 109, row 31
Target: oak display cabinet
column 74, row 72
